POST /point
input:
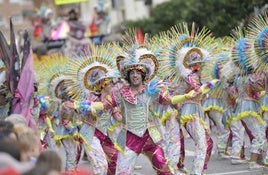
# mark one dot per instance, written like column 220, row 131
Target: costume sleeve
column 115, row 99
column 194, row 81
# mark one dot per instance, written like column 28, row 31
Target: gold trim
column 57, row 87
column 86, row 83
column 188, row 53
column 136, row 66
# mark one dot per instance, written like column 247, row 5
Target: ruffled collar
column 129, row 96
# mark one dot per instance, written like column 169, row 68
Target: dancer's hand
column 117, row 115
column 68, row 104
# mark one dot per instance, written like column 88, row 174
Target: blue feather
column 242, row 46
column 153, row 88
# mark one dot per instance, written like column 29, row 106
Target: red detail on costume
column 252, row 94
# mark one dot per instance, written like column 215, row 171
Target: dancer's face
column 196, row 67
column 135, row 77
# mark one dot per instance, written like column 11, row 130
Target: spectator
column 16, row 119
column 6, row 130
column 41, row 170
column 103, row 22
column 30, row 142
column 10, row 147
column 11, row 166
column 73, row 15
column 10, row 158
column 51, row 159
column 93, row 25
column 48, row 163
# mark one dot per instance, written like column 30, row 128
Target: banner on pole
column 61, row 2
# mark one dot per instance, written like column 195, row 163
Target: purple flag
column 25, row 90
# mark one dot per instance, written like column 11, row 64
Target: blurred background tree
column 220, row 16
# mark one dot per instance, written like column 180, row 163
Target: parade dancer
column 173, row 143
column 186, row 53
column 76, row 42
column 194, row 124
column 94, row 76
column 250, row 84
column 213, row 105
column 230, row 73
column 43, row 117
column 132, row 106
column 258, row 33
column 61, row 119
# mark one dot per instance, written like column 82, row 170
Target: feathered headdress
column 228, row 69
column 212, row 68
column 242, row 54
column 258, row 33
column 184, row 47
column 137, row 53
column 91, row 72
column 51, row 76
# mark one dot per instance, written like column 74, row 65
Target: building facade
column 19, row 10
column 120, row 10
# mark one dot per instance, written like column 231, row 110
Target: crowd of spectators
column 21, row 152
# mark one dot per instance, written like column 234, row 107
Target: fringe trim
column 167, row 115
column 263, row 109
column 214, row 107
column 245, row 114
column 186, row 118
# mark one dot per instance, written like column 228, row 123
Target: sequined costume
column 60, row 118
column 237, row 142
column 93, row 76
column 66, row 134
column 258, row 34
column 250, row 84
column 247, row 112
column 264, row 104
column 140, row 133
column 192, row 118
column 181, row 58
